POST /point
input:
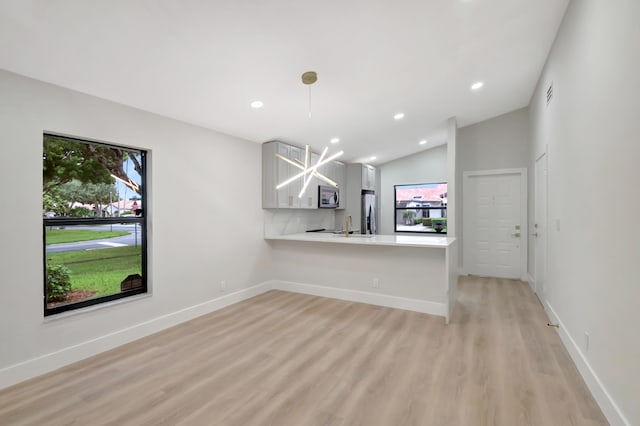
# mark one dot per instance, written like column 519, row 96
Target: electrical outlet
column 586, row 341
column 376, row 283
column 223, row 286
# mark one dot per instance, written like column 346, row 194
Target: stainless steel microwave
column 328, row 197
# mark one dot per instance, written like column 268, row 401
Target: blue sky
column 123, row 191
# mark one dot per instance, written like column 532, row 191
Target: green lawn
column 56, row 236
column 100, row 270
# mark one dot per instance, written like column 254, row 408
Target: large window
column 421, row 208
column 94, row 223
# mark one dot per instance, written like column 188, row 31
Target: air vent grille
column 550, row 93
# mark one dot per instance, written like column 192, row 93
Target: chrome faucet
column 347, row 226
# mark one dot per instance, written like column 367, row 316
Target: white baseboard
column 603, row 398
column 532, row 282
column 43, row 364
column 416, row 305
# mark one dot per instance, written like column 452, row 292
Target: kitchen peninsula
column 413, row 272
column 417, row 273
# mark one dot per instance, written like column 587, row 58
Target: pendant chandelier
column 309, row 171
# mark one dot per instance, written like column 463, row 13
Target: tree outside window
column 94, row 223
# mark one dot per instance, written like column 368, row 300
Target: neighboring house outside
column 435, row 196
column 122, row 207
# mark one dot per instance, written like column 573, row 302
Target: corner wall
column 591, row 128
column 205, row 224
column 498, row 143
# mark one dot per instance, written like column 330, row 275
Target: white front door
column 540, row 227
column 493, row 223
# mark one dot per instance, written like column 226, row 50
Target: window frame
column 142, row 220
column 396, row 208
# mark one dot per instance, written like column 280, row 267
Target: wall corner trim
column 43, row 364
column 608, row 406
column 532, row 282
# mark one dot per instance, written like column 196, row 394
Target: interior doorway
column 495, row 223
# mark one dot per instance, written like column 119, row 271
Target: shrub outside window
column 94, row 223
column 421, row 208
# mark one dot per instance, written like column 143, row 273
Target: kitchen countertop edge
column 376, row 240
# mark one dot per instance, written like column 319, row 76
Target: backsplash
column 293, row 221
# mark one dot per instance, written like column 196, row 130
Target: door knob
column 535, row 234
column 517, row 234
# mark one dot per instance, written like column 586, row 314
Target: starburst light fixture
column 308, row 170
column 131, row 184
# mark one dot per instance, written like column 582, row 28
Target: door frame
column 524, row 225
column 538, row 288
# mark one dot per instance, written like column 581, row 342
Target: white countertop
column 369, row 240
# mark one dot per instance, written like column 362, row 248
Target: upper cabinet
column 368, row 177
column 338, row 173
column 275, row 171
column 362, row 176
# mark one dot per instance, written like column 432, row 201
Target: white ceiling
column 204, row 61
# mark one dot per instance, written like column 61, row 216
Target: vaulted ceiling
column 204, row 62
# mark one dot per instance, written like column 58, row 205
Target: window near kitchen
column 421, row 208
column 94, row 223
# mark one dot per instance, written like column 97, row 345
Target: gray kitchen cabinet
column 368, row 177
column 275, row 171
column 361, row 176
column 288, row 195
column 309, row 199
column 337, row 172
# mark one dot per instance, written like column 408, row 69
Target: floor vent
column 550, row 93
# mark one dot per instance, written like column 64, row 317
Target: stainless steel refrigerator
column 368, row 213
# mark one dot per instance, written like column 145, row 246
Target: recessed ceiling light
column 477, row 85
column 257, row 104
column 398, row 116
column 335, row 140
column 423, row 142
column 372, row 158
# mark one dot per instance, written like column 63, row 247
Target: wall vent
column 550, row 93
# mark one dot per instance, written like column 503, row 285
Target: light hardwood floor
column 290, row 359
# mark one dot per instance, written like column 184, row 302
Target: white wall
column 219, row 238
column 498, row 143
column 415, row 275
column 592, row 130
column 424, row 167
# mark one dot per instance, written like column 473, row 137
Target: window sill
column 105, row 305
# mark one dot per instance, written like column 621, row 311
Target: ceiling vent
column 550, row 93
